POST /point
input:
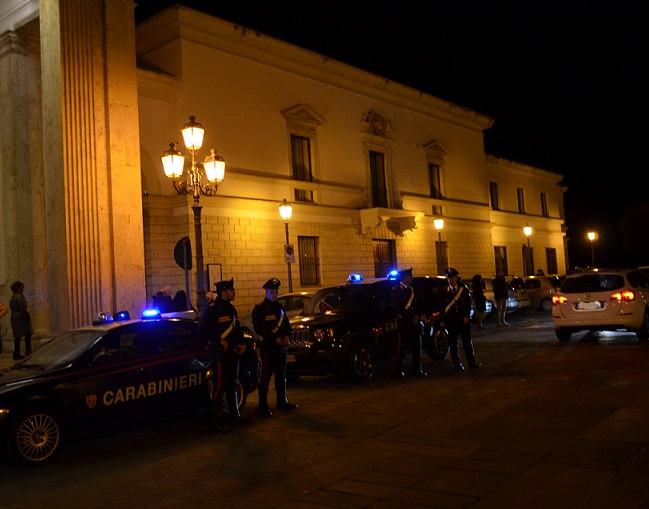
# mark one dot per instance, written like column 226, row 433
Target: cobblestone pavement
column 542, row 424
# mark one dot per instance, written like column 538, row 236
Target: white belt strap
column 457, row 296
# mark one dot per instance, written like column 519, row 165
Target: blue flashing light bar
column 393, row 274
column 355, row 278
column 151, row 314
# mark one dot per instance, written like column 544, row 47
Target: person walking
column 163, row 300
column 479, row 300
column 21, row 320
column 273, row 328
column 409, row 325
column 220, row 328
column 501, row 294
column 456, row 300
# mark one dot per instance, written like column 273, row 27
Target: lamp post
column 527, row 230
column 592, row 236
column 441, row 258
column 285, row 212
column 213, row 166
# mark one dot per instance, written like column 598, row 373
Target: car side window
column 174, row 336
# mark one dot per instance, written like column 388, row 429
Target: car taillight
column 559, row 299
column 626, row 295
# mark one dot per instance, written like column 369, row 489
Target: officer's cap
column 272, row 284
column 224, row 285
column 405, row 272
column 450, row 272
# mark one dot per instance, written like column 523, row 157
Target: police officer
column 409, row 324
column 456, row 299
column 220, row 328
column 273, row 328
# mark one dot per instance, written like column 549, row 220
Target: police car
column 115, row 370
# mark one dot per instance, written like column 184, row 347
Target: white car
column 293, row 303
column 512, row 302
column 541, row 289
column 601, row 299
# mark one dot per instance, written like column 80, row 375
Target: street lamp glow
column 173, row 163
column 528, row 269
column 439, row 224
column 592, row 236
column 527, row 230
column 286, row 212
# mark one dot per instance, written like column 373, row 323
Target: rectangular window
column 551, row 259
column 309, row 261
column 500, row 259
column 544, row 205
column 379, row 196
column 493, row 195
column 521, row 200
column 434, row 180
column 385, row 258
column 301, row 165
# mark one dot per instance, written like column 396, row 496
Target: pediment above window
column 303, row 115
column 435, row 150
column 396, row 220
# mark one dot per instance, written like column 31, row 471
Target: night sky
column 566, row 85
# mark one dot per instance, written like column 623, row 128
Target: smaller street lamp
column 439, row 226
column 592, row 236
column 441, row 252
column 527, row 230
column 285, row 212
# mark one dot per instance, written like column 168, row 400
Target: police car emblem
column 91, row 400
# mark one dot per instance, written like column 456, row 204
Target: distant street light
column 285, row 212
column 529, row 269
column 173, row 163
column 592, row 236
column 442, row 261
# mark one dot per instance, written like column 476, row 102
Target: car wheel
column 240, row 395
column 34, row 436
column 360, row 363
column 562, row 334
column 546, row 305
column 643, row 332
column 436, row 346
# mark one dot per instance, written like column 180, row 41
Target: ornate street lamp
column 527, row 230
column 213, row 167
column 285, row 212
column 592, row 236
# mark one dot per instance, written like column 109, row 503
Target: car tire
column 34, row 436
column 546, row 305
column 563, row 334
column 436, row 345
column 643, row 332
column 360, row 363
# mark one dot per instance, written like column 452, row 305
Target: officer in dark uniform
column 273, row 328
column 220, row 328
column 409, row 324
column 456, row 319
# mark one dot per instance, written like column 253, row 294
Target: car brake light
column 559, row 299
column 626, row 295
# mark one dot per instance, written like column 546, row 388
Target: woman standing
column 479, row 300
column 21, row 320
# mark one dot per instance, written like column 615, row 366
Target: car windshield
column 593, row 283
column 339, row 301
column 63, row 349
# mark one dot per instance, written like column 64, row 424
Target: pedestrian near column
column 479, row 300
column 409, row 324
column 500, row 294
column 273, row 328
column 220, row 328
column 456, row 300
column 21, row 320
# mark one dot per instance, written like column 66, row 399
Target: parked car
column 344, row 329
column 602, row 299
column 293, row 303
column 541, row 289
column 523, row 298
column 97, row 376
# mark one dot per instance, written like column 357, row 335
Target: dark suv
column 345, row 329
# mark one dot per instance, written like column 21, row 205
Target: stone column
column 93, row 192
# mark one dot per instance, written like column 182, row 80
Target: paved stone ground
column 543, row 424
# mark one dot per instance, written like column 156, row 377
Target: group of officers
column 219, row 327
column 455, row 321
